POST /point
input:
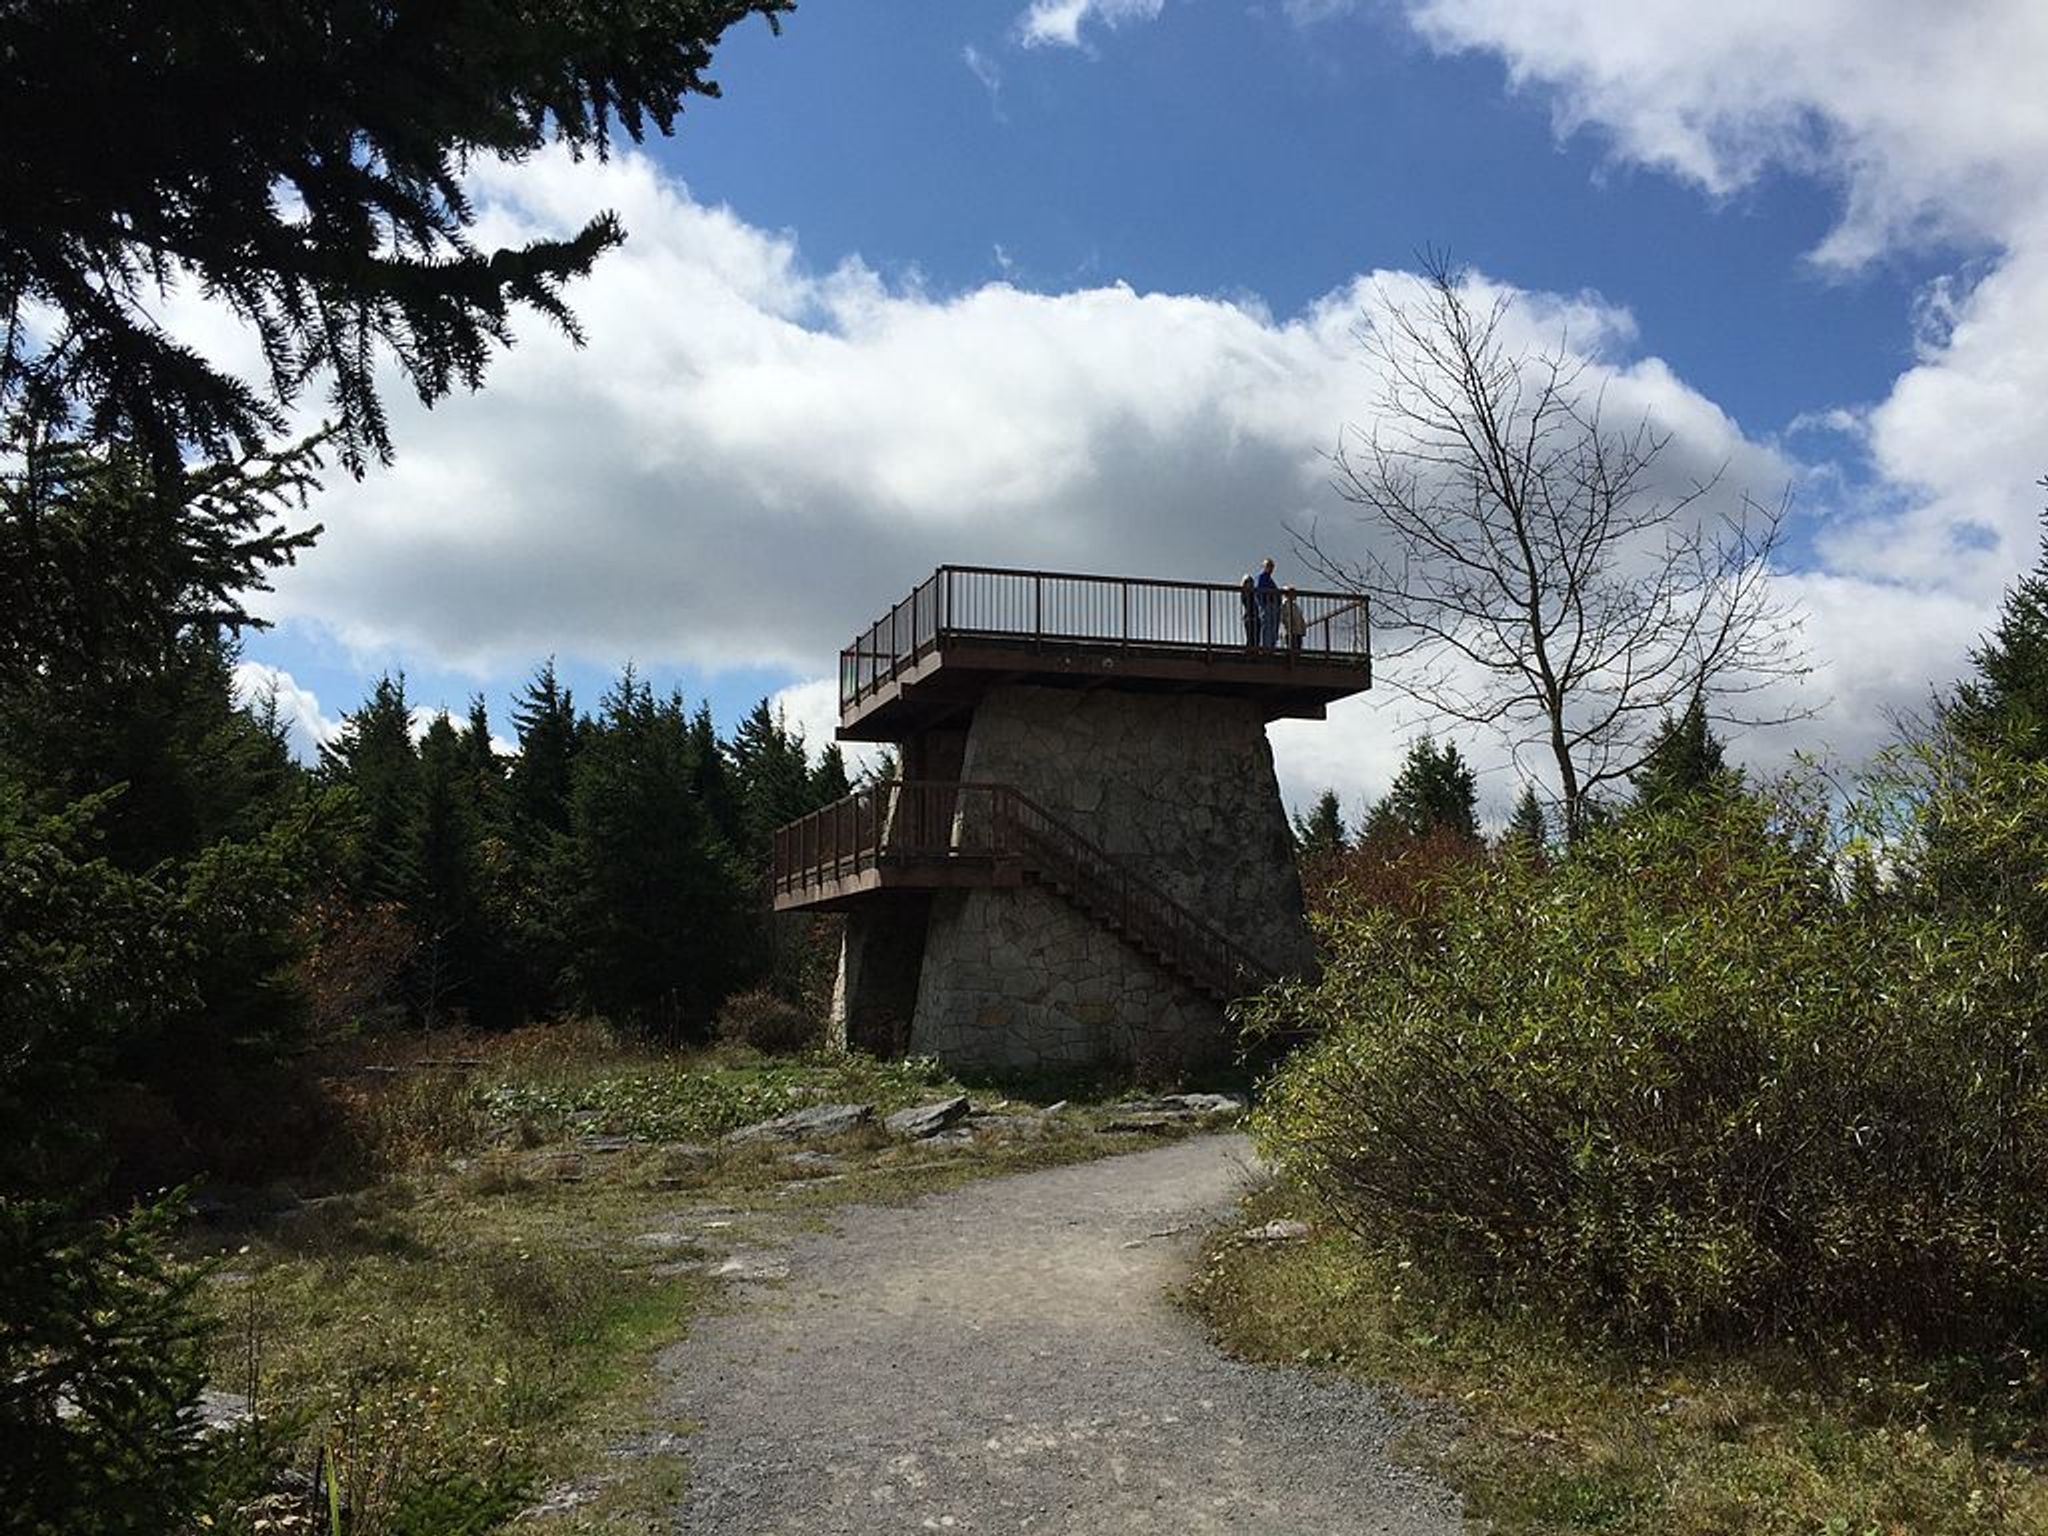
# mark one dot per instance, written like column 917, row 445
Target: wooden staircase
column 932, row 835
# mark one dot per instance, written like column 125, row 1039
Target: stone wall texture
column 1018, row 979
column 1179, row 787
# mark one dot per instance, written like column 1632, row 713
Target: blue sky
column 1072, row 285
column 1213, row 151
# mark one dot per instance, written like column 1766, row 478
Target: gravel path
column 1004, row 1358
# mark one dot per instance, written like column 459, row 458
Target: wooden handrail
column 945, row 822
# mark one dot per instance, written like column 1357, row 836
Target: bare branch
column 1528, row 571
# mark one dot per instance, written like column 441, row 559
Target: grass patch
column 471, row 1328
column 723, row 1091
column 1555, row 1435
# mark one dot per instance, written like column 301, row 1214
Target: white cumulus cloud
column 1932, row 123
column 1931, row 118
column 753, row 457
column 1059, row 22
column 308, row 727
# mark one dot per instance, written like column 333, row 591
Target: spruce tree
column 1528, row 830
column 108, row 564
column 121, row 601
column 2006, row 704
column 1434, row 791
column 1321, row 831
column 374, row 758
column 1685, row 759
column 301, row 162
column 828, row 780
column 711, row 776
column 478, row 755
column 773, row 774
column 189, row 764
column 445, row 898
column 540, row 778
column 1378, row 826
column 539, row 784
column 656, row 913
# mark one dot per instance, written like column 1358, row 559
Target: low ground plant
column 467, row 1327
column 1547, row 1432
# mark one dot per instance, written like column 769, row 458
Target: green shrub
column 768, row 1023
column 1682, row 1086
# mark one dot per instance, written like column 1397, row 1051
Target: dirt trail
column 1004, row 1358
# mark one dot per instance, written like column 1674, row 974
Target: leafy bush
column 1952, row 826
column 354, row 966
column 1682, row 1086
column 1389, row 868
column 768, row 1023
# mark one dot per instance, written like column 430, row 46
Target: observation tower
column 1083, row 856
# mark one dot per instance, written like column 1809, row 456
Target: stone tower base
column 1180, row 790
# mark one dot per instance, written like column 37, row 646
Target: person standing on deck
column 1293, row 620
column 1248, row 594
column 1268, row 592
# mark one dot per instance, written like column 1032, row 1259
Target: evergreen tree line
column 612, row 863
column 1435, row 795
column 184, row 908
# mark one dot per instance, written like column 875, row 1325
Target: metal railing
column 1208, row 619
column 920, row 822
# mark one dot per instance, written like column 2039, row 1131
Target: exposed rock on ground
column 1278, row 1232
column 1173, row 1109
column 819, row 1121
column 928, row 1119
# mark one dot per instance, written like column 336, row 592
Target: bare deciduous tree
column 1527, row 572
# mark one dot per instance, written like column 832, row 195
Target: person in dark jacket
column 1268, row 595
column 1249, row 596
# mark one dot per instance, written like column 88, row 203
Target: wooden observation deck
column 938, row 836
column 970, row 628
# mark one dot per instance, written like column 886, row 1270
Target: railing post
column 1125, row 629
column 1037, row 608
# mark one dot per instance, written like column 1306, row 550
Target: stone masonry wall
column 1182, row 789
column 1017, row 978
